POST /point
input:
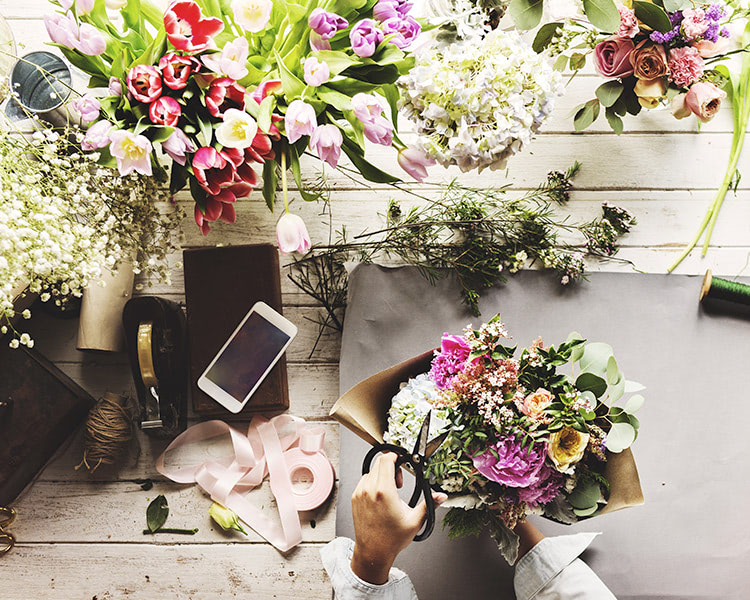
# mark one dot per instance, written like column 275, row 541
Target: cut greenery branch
column 475, row 235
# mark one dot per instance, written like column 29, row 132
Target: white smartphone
column 247, row 357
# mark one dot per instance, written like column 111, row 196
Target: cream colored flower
column 566, row 448
column 253, row 15
column 225, row 518
column 238, row 129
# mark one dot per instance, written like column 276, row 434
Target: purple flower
column 388, row 9
column 326, row 24
column 379, row 131
column 514, row 465
column 450, row 360
column 715, row 12
column 543, row 491
column 115, row 86
column 406, row 31
column 365, row 37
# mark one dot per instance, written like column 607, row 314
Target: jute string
column 109, row 429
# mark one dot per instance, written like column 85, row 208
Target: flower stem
column 168, row 530
column 283, row 181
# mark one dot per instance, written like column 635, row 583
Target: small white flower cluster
column 477, row 101
column 467, row 18
column 408, row 410
column 63, row 220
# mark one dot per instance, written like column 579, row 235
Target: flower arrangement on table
column 524, row 437
column 657, row 56
column 228, row 90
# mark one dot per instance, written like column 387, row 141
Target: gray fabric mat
column 691, row 540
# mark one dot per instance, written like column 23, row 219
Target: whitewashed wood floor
column 80, row 535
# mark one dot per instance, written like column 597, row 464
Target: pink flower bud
column 415, row 162
column 291, row 234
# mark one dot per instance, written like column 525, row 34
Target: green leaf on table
column 586, row 115
column 586, row 494
column 157, row 513
column 545, row 35
column 592, row 383
column 577, row 61
column 620, row 436
column 634, row 404
column 614, row 120
column 602, row 14
column 609, row 92
column 652, row 15
column 526, row 14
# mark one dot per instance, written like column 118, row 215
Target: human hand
column 383, row 523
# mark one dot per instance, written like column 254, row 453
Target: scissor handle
column 7, row 541
column 421, row 485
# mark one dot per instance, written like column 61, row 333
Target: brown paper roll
column 100, row 327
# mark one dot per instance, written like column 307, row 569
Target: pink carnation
column 628, row 23
column 694, row 23
column 543, row 490
column 685, row 66
column 508, row 463
column 450, row 360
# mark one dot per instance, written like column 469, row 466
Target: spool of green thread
column 723, row 289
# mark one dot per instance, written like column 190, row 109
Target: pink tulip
column 90, row 41
column 271, row 86
column 326, row 142
column 379, row 131
column 317, row 42
column 97, row 136
column 291, row 234
column 231, row 61
column 300, row 120
column 84, row 7
column 704, row 99
column 164, row 111
column 62, row 29
column 405, row 29
column 212, row 169
column 365, row 37
column 316, row 72
column 224, row 93
column 88, row 107
column 115, row 86
column 415, row 163
column 144, row 82
column 132, row 151
column 177, row 146
column 187, row 29
column 367, row 106
column 176, row 69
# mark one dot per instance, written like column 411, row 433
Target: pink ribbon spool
column 298, row 456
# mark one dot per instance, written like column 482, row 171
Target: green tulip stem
column 283, row 181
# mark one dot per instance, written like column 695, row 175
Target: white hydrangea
column 409, row 408
column 478, row 101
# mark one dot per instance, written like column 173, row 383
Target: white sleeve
column 551, row 570
column 337, row 556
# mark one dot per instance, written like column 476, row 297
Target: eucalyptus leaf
column 545, row 35
column 675, row 5
column 634, row 404
column 633, row 386
column 586, row 494
column 586, row 512
column 587, row 115
column 157, row 513
column 577, row 61
column 614, row 120
column 617, row 390
column 592, row 383
column 609, row 92
column 613, row 372
column 602, row 14
column 526, row 13
column 577, row 352
column 595, row 357
column 620, row 437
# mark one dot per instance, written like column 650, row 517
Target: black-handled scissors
column 416, row 459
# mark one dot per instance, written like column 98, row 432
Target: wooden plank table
column 80, row 535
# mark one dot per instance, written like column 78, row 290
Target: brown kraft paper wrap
column 100, row 327
column 364, row 410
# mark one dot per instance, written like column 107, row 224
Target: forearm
column 529, row 536
column 369, row 566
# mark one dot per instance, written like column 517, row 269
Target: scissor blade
column 421, row 446
column 435, row 443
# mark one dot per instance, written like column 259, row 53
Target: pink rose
column 533, row 405
column 144, row 82
column 704, row 99
column 708, row 49
column 628, row 23
column 685, row 66
column 165, row 111
column 612, row 57
column 694, row 23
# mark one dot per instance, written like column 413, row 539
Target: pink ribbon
column 263, row 451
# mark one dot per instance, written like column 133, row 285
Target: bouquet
column 525, row 437
column 230, row 90
column 657, row 56
column 478, row 100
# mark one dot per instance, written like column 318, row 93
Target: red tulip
column 272, row 86
column 212, row 170
column 261, row 149
column 165, row 111
column 176, row 69
column 144, row 82
column 224, row 93
column 187, row 29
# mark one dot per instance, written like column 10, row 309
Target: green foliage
column 545, row 35
column 526, row 13
column 652, row 15
column 602, row 14
column 464, row 522
column 157, row 513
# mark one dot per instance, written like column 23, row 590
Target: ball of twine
column 109, row 429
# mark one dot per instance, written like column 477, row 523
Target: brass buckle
column 7, row 539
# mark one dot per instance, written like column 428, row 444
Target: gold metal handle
column 7, row 516
column 7, row 541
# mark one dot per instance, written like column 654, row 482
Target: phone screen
column 246, row 358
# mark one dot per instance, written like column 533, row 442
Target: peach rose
column 679, row 108
column 649, row 60
column 704, row 99
column 534, row 404
column 650, row 92
column 709, row 49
